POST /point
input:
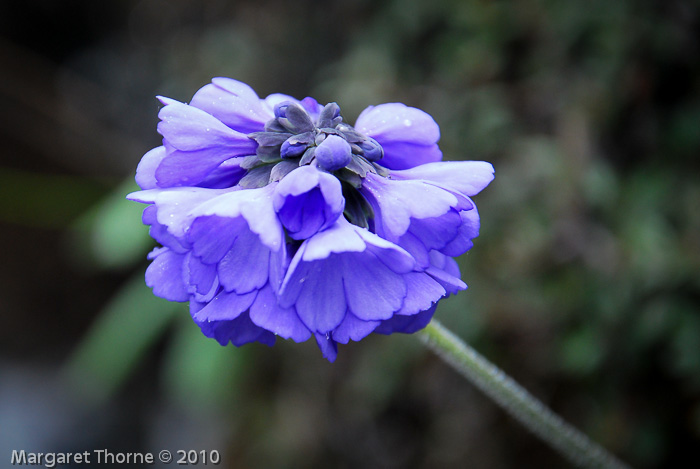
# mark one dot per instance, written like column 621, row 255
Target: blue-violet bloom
column 277, row 218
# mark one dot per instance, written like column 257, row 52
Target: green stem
column 532, row 413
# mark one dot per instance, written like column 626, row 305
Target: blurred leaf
column 45, row 200
column 123, row 332
column 600, row 184
column 382, row 367
column 682, row 135
column 199, row 373
column 582, row 350
column 654, row 321
column 649, row 442
column 111, row 234
column 685, row 348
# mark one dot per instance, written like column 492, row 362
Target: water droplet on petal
column 407, row 123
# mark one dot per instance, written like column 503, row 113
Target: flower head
column 277, row 218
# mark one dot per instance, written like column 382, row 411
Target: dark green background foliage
column 584, row 284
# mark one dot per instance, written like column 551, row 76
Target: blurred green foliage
column 118, row 340
column 110, row 235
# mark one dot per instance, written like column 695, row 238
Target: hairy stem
column 538, row 418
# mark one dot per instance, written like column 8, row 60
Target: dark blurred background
column 584, row 284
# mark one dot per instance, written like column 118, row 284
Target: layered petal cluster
column 276, row 218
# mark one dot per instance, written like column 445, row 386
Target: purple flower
column 277, row 218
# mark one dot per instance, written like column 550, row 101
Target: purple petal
column 274, row 99
column 279, row 260
column 344, row 237
column 339, row 238
column 312, row 107
column 188, row 128
column 467, row 177
column 234, row 103
column 211, row 236
column 445, row 271
column 446, row 263
column 225, row 307
column 398, row 122
column 423, row 291
column 146, row 170
column 406, row 324
column 436, row 232
column 237, row 230
column 245, row 266
column 416, row 249
column 254, row 205
column 468, row 230
column 393, row 256
column 189, row 168
column 316, row 290
column 407, row 135
column 353, row 328
column 268, row 314
column 372, row 289
column 328, row 346
column 239, row 331
column 307, row 201
column 404, row 155
column 196, row 144
column 416, row 215
column 160, row 232
column 396, row 203
column 345, row 266
column 175, row 206
column 226, row 175
column 201, row 278
column 165, row 275
column 303, row 215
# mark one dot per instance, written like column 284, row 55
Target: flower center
column 293, row 138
